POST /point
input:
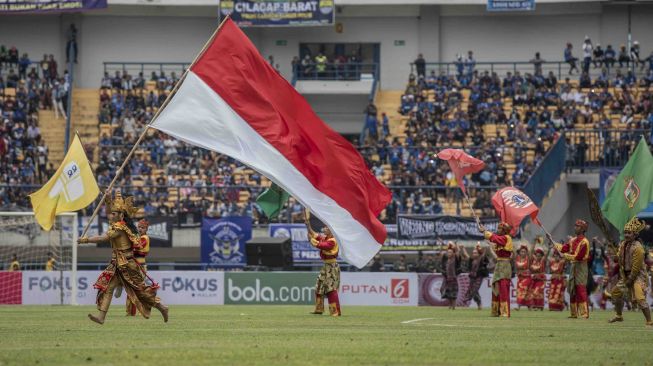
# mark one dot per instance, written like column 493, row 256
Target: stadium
column 400, row 182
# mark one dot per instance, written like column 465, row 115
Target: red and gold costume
column 633, row 273
column 123, row 270
column 140, row 252
column 502, row 247
column 557, row 284
column 328, row 281
column 538, row 280
column 610, row 279
column 576, row 251
column 523, row 267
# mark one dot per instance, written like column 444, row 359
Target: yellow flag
column 72, row 187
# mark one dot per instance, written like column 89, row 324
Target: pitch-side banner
column 442, row 227
column 431, row 291
column 49, row 6
column 279, row 12
column 176, row 287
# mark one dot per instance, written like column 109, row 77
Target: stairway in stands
column 86, row 104
column 53, row 131
column 389, row 101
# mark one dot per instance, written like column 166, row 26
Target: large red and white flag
column 233, row 102
column 461, row 164
column 513, row 205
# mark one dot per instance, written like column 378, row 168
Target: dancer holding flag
column 123, row 270
column 502, row 247
column 633, row 275
column 328, row 281
column 576, row 251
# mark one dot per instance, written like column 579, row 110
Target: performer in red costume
column 502, row 247
column 328, row 281
column 576, row 251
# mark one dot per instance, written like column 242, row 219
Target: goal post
column 26, row 248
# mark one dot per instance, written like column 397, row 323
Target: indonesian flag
column 233, row 102
column 461, row 164
column 512, row 206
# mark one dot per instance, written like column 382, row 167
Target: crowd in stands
column 26, row 87
column 509, row 122
column 167, row 176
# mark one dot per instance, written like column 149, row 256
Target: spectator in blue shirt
column 570, row 59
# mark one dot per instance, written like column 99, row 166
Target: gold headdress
column 121, row 205
column 634, row 225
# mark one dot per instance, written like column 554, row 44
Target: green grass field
column 288, row 335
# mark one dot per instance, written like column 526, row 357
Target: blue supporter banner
column 49, row 6
column 510, row 5
column 255, row 13
column 302, row 250
column 223, row 241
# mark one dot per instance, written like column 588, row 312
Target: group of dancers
column 629, row 269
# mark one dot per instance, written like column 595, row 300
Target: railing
column 332, row 71
column 547, row 173
column 147, row 68
column 187, row 205
column 602, row 148
column 559, row 68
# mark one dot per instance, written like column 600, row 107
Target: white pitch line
column 415, row 320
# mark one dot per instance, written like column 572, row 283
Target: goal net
column 46, row 261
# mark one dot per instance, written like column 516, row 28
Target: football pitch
column 288, row 335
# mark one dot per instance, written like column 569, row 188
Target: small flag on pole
column 72, row 187
column 512, row 206
column 461, row 164
column 272, row 200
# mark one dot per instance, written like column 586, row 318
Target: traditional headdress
column 505, row 226
column 539, row 250
column 523, row 246
column 634, row 226
column 582, row 224
column 118, row 204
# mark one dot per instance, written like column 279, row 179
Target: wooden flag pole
column 469, row 203
column 147, row 127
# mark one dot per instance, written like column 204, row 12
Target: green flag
column 271, row 200
column 632, row 190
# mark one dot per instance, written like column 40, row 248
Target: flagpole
column 147, row 127
column 469, row 203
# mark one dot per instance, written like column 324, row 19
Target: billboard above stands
column 262, row 13
column 49, row 6
column 510, row 5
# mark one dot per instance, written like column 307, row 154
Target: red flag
column 233, row 102
column 513, row 206
column 460, row 164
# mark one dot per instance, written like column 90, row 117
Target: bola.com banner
column 298, row 288
column 279, row 12
column 176, row 287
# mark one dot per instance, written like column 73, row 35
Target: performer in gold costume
column 123, row 270
column 633, row 274
column 140, row 252
column 328, row 281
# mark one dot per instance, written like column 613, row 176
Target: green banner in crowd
column 632, row 190
column 286, row 288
